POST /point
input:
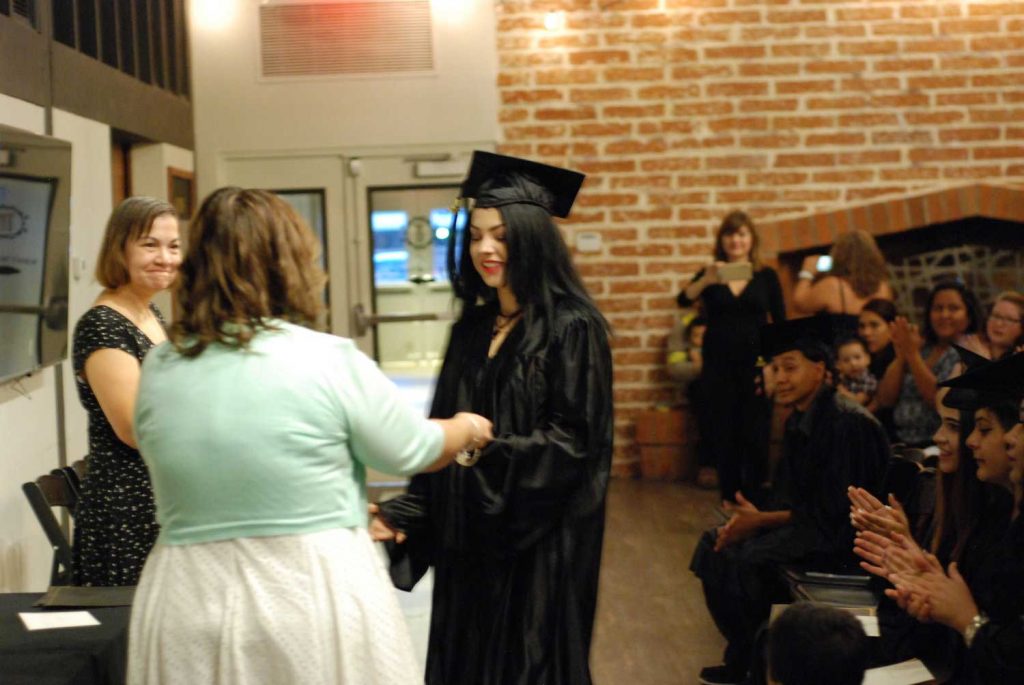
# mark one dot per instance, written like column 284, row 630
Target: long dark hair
column 885, row 309
column 540, row 271
column 960, row 498
column 974, row 315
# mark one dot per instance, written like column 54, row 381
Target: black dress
column 738, row 418
column 115, row 523
column 515, row 540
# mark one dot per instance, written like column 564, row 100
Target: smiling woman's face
column 487, row 246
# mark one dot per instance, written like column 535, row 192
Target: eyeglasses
column 1003, row 319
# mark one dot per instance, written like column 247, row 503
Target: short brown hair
column 250, row 258
column 131, row 220
column 732, row 223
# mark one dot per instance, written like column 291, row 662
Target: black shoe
column 722, row 675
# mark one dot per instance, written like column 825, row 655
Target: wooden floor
column 652, row 626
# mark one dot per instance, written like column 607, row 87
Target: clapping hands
column 906, row 338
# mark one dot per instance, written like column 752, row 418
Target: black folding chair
column 44, row 493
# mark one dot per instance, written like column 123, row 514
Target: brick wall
column 680, row 110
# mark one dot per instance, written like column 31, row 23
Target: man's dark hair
column 811, row 644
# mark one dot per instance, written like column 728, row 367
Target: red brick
column 774, row 105
column 626, row 5
column 951, row 135
column 835, row 139
column 650, row 181
column 926, row 11
column 529, row 132
column 618, row 129
column 977, row 172
column 854, row 194
column 607, row 199
column 646, row 20
column 945, row 116
column 730, row 17
column 509, row 97
column 735, row 52
column 594, row 167
column 507, row 115
column 759, row 34
column 845, row 103
column 939, row 45
column 659, row 304
column 801, row 50
column 649, row 38
column 834, row 31
column 527, row 22
column 565, row 113
column 736, row 162
column 899, row 101
column 619, row 304
column 902, row 28
column 791, row 122
column 863, row 14
column 739, row 123
column 796, row 16
column 941, row 154
column 951, row 27
column 598, row 94
column 869, row 157
column 633, row 111
column 617, row 268
column 812, row 159
column 599, row 57
column 570, row 40
column 680, row 233
column 982, row 98
column 776, row 178
column 774, row 140
column 668, row 92
column 531, row 59
column 673, row 267
column 740, row 197
column 769, row 69
column 946, row 81
column 699, row 71
column 835, row 66
column 810, row 195
column 516, row 149
column 916, row 174
column 1006, row 152
column 651, row 214
column 655, row 127
column 997, row 43
column 648, row 250
column 869, row 47
column 973, row 62
column 613, row 74
column 805, row 86
column 737, row 88
column 594, row 20
column 672, row 199
column 636, row 147
column 845, row 176
column 513, row 78
column 640, row 286
column 903, row 65
column 997, row 80
column 715, row 180
column 558, row 77
column 670, row 164
column 996, row 9
column 871, row 85
column 702, row 108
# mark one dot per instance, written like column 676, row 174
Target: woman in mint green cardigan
column 257, row 432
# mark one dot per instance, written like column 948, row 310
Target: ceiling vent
column 358, row 37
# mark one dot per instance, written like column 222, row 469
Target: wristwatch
column 973, row 627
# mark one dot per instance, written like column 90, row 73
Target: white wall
column 28, row 408
column 236, row 112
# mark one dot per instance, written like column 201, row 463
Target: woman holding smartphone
column 738, row 295
column 853, row 273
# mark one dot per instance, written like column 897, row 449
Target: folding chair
column 47, row 491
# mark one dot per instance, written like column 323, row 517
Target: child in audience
column 855, row 379
column 810, row 644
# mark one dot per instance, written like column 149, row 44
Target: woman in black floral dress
column 115, row 525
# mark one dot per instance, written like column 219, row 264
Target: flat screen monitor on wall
column 35, row 216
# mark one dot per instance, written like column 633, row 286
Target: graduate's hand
column 870, row 547
column 947, row 597
column 868, row 513
column 744, row 522
column 380, row 531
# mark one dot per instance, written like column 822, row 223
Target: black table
column 95, row 655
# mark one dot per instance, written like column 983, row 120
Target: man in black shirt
column 830, row 443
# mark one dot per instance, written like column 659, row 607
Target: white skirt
column 315, row 609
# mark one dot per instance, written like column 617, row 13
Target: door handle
column 363, row 322
column 54, row 314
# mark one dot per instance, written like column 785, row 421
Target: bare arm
column 809, row 298
column 462, row 431
column 113, row 375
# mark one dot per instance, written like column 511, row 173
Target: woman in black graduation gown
column 514, row 531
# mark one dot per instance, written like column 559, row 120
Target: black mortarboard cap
column 987, row 383
column 498, row 180
column 797, row 334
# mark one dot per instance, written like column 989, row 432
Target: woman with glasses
column 1004, row 328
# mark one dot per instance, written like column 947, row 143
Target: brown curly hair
column 250, row 258
column 857, row 259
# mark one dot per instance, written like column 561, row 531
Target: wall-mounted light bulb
column 554, row 21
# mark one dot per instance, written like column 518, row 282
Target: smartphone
column 736, row 271
column 824, row 264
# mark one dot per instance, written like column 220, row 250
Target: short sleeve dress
column 115, row 523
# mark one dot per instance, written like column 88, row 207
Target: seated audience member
column 874, row 326
column 1004, row 327
column 814, row 644
column 988, row 585
column 830, row 443
column 855, row 378
column 925, row 358
column 685, row 362
column 257, row 433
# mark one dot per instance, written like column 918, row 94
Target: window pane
column 142, row 33
column 63, row 22
column 108, row 32
column 390, row 256
column 126, row 36
column 87, row 28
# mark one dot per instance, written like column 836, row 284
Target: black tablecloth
column 95, row 655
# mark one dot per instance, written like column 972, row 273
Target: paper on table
column 870, row 625
column 57, row 619
column 904, row 673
